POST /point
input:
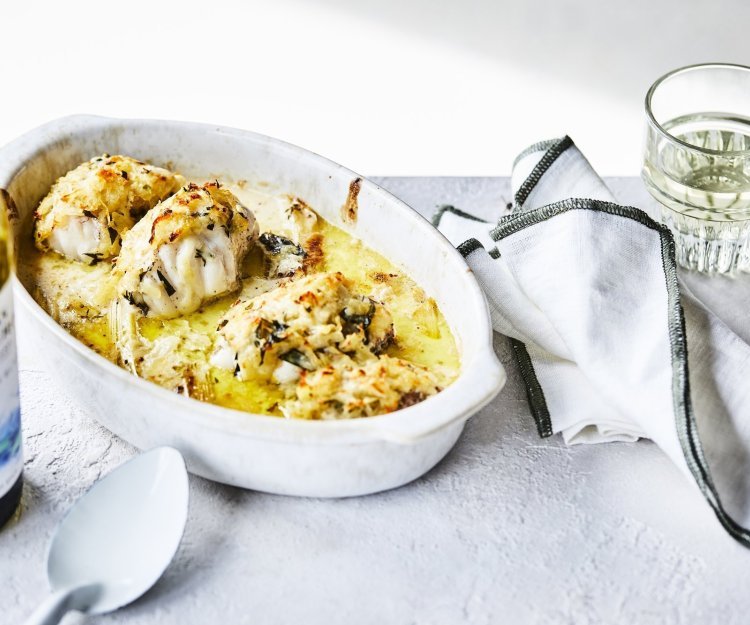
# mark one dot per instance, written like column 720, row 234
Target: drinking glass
column 697, row 163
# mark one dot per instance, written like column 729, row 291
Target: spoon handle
column 63, row 601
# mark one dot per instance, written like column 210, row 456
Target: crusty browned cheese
column 89, row 210
column 301, row 324
column 345, row 389
column 185, row 251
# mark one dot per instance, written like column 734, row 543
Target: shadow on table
column 611, row 46
column 203, row 545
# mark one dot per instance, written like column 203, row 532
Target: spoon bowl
column 119, row 538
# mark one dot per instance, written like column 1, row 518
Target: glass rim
column 684, row 70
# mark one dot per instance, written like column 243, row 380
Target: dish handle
column 483, row 379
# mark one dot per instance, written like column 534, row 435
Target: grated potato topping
column 304, row 323
column 185, row 251
column 104, row 197
column 234, row 296
column 347, row 389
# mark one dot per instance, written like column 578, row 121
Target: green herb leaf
column 297, row 358
column 167, row 286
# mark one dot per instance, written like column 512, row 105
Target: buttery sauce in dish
column 232, row 295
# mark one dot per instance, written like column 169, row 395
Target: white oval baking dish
column 294, row 457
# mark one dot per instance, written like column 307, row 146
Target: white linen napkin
column 588, row 292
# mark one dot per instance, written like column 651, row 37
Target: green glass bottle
column 11, row 458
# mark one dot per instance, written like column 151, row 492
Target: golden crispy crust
column 305, row 322
column 116, row 191
column 346, row 389
column 198, row 210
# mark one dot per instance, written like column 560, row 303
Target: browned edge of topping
column 313, row 252
column 7, row 204
column 350, row 208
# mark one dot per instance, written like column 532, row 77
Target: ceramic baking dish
column 295, row 457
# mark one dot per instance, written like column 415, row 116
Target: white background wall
column 384, row 86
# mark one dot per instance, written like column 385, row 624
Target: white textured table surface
column 508, row 528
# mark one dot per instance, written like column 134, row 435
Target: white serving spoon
column 118, row 539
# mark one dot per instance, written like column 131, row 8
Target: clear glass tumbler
column 697, row 163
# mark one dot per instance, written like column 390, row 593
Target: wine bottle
column 11, row 459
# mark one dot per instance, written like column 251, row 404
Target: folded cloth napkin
column 589, row 294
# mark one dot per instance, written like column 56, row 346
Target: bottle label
column 11, row 459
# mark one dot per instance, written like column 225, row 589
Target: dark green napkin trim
column 556, row 148
column 534, row 391
column 447, row 208
column 469, row 246
column 539, row 146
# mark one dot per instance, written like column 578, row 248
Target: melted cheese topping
column 89, row 210
column 184, row 251
column 176, row 353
